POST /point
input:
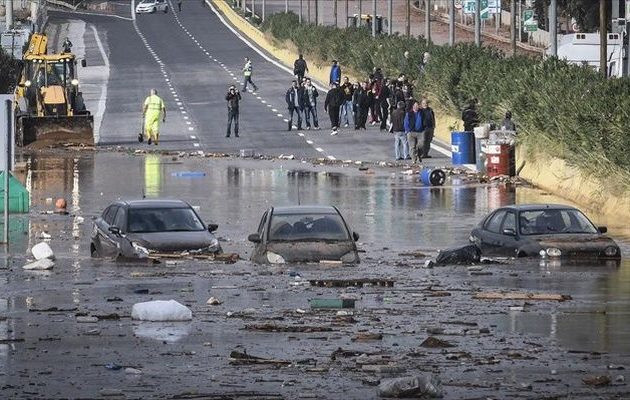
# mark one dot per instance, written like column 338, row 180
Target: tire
column 154, row 10
column 93, row 251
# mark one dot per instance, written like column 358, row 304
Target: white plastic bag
column 42, row 250
column 161, row 310
column 43, row 264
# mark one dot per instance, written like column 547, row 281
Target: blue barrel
column 432, row 176
column 463, row 147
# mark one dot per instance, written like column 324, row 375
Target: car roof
column 288, row 210
column 536, row 207
column 154, row 203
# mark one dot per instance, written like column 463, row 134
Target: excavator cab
column 49, row 103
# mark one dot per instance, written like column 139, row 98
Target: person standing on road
column 334, row 100
column 361, row 101
column 67, row 46
column 295, row 103
column 247, row 75
column 398, row 129
column 375, row 104
column 346, row 107
column 415, row 134
column 428, row 119
column 310, row 104
column 153, row 107
column 179, row 5
column 508, row 124
column 300, row 68
column 233, row 97
column 470, row 117
column 384, row 103
column 335, row 73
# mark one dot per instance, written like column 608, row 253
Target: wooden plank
column 521, row 296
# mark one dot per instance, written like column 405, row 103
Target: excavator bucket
column 76, row 130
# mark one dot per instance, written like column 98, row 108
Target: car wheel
column 154, row 10
column 521, row 254
column 93, row 251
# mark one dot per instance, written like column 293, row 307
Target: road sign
column 527, row 15
column 487, row 7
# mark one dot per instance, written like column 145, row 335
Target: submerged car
column 299, row 234
column 539, row 230
column 141, row 228
column 152, row 6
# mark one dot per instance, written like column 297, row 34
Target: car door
column 108, row 242
column 507, row 238
column 491, row 239
column 260, row 248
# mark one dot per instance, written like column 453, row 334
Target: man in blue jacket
column 335, row 73
column 415, row 133
column 295, row 104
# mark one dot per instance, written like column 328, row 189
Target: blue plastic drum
column 463, row 147
column 432, row 176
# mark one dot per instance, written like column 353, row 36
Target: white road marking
column 309, row 141
column 319, row 149
column 280, row 115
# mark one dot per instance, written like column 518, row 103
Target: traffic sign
column 527, row 15
column 532, row 26
column 487, row 7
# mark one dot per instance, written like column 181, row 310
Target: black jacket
column 334, row 99
column 428, row 118
column 348, row 91
column 290, row 97
column 300, row 67
column 470, row 118
column 398, row 120
column 233, row 100
column 307, row 101
column 360, row 98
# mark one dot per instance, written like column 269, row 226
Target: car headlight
column 610, row 251
column 214, row 246
column 349, row 258
column 141, row 251
column 275, row 258
column 554, row 252
column 27, row 83
column 75, row 82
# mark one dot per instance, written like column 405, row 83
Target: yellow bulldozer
column 49, row 105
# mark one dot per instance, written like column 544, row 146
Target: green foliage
column 9, row 72
column 564, row 110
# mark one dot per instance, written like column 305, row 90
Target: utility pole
column 427, row 20
column 553, row 27
column 451, row 23
column 513, row 25
column 347, row 11
column 390, row 29
column 300, row 17
column 286, row 6
column 626, row 31
column 360, row 10
column 373, row 18
column 316, row 12
column 408, row 18
column 263, row 10
column 520, row 21
column 9, row 13
column 478, row 22
column 308, row 10
column 603, row 39
column 253, row 9
column 335, row 11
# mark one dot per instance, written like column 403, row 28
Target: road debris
column 237, row 357
column 366, row 337
column 42, row 250
column 597, row 381
column 331, row 303
column 213, row 301
column 40, row 265
column 132, row 371
column 465, row 255
column 351, row 282
column 227, row 258
column 287, row 328
column 434, row 343
column 161, row 310
column 520, row 296
column 427, row 386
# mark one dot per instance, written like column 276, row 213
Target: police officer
column 233, row 97
column 153, row 107
column 247, row 75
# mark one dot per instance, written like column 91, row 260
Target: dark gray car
column 304, row 234
column 139, row 228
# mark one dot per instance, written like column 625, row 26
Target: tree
column 9, row 72
column 585, row 12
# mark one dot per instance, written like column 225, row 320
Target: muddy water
column 391, row 211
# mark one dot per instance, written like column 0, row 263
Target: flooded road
column 523, row 349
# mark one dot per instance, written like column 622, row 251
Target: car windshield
column 544, row 222
column 147, row 220
column 303, row 227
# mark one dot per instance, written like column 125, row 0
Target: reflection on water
column 152, row 175
column 169, row 332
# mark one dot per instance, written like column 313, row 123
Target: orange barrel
column 500, row 160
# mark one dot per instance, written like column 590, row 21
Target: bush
column 10, row 69
column 567, row 111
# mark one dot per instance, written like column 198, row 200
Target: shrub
column 10, row 69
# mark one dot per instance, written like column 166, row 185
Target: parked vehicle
column 304, row 234
column 141, row 228
column 152, row 6
column 543, row 230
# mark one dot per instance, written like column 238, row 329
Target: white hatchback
column 152, row 6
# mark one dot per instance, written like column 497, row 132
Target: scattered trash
column 616, row 367
column 161, row 310
column 331, row 303
column 132, row 371
column 280, row 328
column 364, row 337
column 113, row 366
column 42, row 250
column 469, row 254
column 300, row 311
column 245, row 153
column 520, row 296
column 45, row 236
column 413, row 386
column 414, row 254
column 110, row 392
column 236, row 357
column 287, row 157
column 213, row 301
column 61, row 204
column 433, row 343
column 86, row 319
column 40, row 265
column 188, row 174
column 597, row 381
column 141, row 291
column 428, row 264
column 351, row 282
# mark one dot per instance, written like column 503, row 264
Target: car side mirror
column 509, row 232
column 115, row 230
column 355, row 236
column 602, row 229
column 83, row 63
column 254, row 238
column 212, row 227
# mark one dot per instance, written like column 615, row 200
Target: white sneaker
column 373, row 123
column 333, row 133
column 308, row 128
column 345, row 125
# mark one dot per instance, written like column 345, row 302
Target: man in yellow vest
column 247, row 75
column 153, row 107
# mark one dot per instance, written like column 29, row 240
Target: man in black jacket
column 428, row 120
column 232, row 97
column 300, row 68
column 334, row 100
column 470, row 117
column 295, row 103
column 361, row 102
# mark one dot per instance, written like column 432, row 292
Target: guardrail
column 60, row 3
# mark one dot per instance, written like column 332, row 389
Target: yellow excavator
column 49, row 105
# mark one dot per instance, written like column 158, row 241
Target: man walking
column 310, row 104
column 233, row 97
column 384, row 104
column 153, row 107
column 415, row 134
column 428, row 119
column 335, row 73
column 398, row 129
column 247, row 75
column 470, row 117
column 295, row 103
column 300, row 68
column 361, row 101
column 346, row 107
column 333, row 102
column 179, row 5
